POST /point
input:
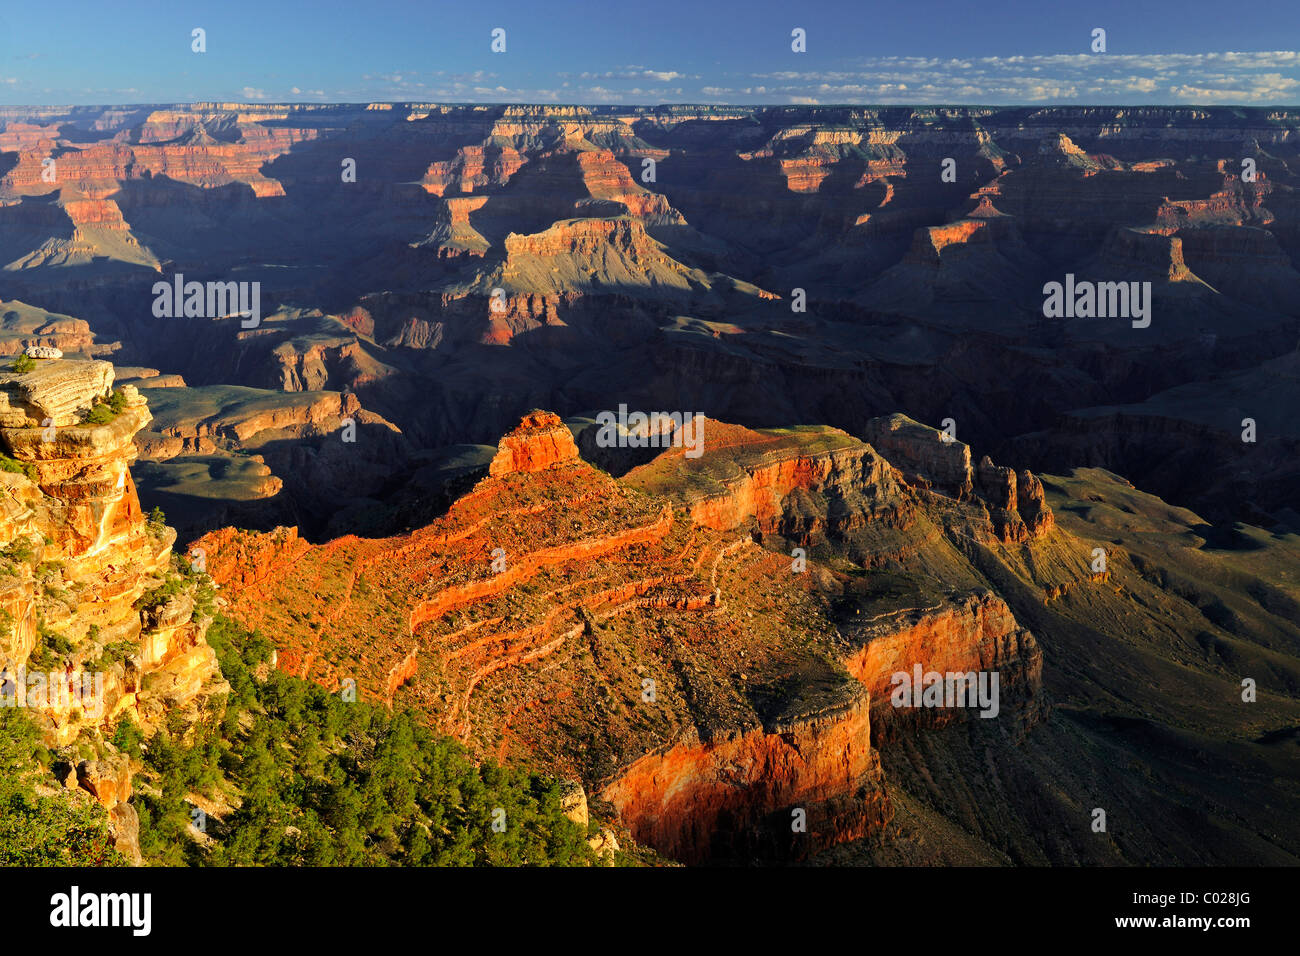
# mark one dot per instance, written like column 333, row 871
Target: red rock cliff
column 541, row 441
column 733, row 797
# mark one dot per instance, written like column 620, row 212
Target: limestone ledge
column 55, row 392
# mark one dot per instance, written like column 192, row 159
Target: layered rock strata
column 81, row 641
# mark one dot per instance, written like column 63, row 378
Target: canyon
column 796, row 265
column 395, row 476
column 651, row 637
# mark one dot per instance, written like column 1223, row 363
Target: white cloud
column 1244, row 77
column 1247, row 77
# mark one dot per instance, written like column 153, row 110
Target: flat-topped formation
column 923, row 453
column 55, row 392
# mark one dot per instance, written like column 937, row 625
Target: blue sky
column 653, row 51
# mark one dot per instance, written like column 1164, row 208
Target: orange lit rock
column 975, row 633
column 734, row 797
column 542, row 440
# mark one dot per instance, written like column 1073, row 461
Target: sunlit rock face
column 80, row 554
column 635, row 635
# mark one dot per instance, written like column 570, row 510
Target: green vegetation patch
column 322, row 782
column 12, row 465
column 37, row 830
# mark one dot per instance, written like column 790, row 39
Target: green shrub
column 104, row 411
column 159, row 596
column 44, row 830
column 51, row 647
column 26, row 468
column 127, row 737
column 99, row 414
column 112, row 654
column 156, row 522
column 23, row 363
column 19, row 551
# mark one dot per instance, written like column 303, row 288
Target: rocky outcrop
column 573, row 804
column 1133, row 252
column 195, row 158
column 454, row 235
column 609, row 180
column 483, row 621
column 92, row 510
column 1060, row 150
column 802, row 484
column 473, row 168
column 1031, row 503
column 80, row 635
column 935, row 245
column 23, row 327
column 783, row 791
column 1237, row 203
column 1245, row 262
column 1016, row 504
column 587, row 237
column 244, row 562
column 94, row 558
column 108, row 781
column 240, row 414
column 973, row 634
column 929, row 460
column 53, row 393
column 542, row 440
column 925, row 455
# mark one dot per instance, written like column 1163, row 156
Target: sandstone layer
column 82, row 643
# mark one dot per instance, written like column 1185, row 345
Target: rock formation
column 541, row 441
column 931, row 460
column 640, row 638
column 923, row 294
column 80, row 564
column 928, row 456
